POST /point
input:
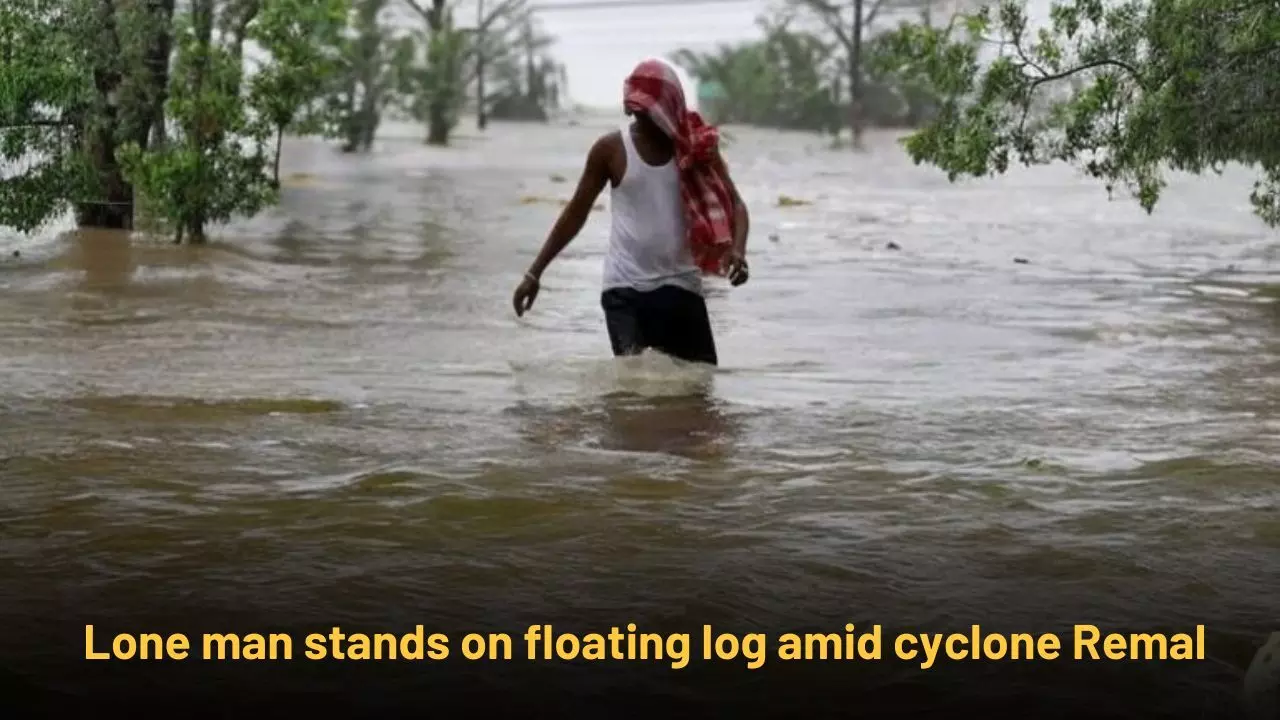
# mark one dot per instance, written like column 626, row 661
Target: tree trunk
column 200, row 135
column 855, row 76
column 367, row 117
column 350, row 119
column 482, row 119
column 530, row 78
column 482, row 115
column 370, row 131
column 275, row 165
column 438, row 122
column 833, row 120
column 114, row 211
column 195, row 231
column 438, row 108
column 113, row 208
column 158, row 64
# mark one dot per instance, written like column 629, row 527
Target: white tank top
column 648, row 246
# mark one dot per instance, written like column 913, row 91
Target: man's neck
column 652, row 137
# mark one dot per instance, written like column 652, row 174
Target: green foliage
column 214, row 168
column 40, row 77
column 303, row 39
column 795, row 79
column 787, row 79
column 357, row 90
column 503, row 58
column 80, row 92
column 430, row 75
column 97, row 110
column 1125, row 90
column 525, row 81
column 73, row 84
column 217, row 167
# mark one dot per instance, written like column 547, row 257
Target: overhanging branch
column 1052, row 77
column 36, row 123
column 1105, row 62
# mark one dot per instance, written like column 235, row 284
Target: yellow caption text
column 544, row 643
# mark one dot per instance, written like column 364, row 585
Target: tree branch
column 1105, row 62
column 504, row 9
column 871, row 14
column 1022, row 55
column 830, row 16
column 424, row 12
column 1047, row 78
column 36, row 123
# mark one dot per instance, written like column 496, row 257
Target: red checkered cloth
column 654, row 89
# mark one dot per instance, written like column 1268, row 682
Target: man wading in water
column 676, row 215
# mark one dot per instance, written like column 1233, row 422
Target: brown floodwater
column 1033, row 404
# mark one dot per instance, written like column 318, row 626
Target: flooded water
column 1033, row 404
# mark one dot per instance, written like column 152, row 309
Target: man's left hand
column 736, row 265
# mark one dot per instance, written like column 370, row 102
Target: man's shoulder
column 607, row 148
column 611, row 140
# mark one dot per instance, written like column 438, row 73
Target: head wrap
column 654, row 89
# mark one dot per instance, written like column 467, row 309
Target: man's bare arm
column 574, row 215
column 741, row 218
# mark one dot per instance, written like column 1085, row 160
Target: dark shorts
column 669, row 319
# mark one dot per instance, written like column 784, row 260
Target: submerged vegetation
column 176, row 111
column 810, row 70
column 173, row 113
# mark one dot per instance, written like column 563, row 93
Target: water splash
column 651, row 374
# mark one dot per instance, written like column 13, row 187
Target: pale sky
column 599, row 47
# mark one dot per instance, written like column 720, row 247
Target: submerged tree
column 302, row 38
column 526, row 77
column 365, row 86
column 787, row 79
column 213, row 166
column 1189, row 85
column 852, row 35
column 41, row 81
column 501, row 38
column 796, row 79
column 78, row 79
column 104, row 103
column 446, row 60
column 217, row 164
column 432, row 78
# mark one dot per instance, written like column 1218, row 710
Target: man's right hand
column 525, row 294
